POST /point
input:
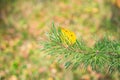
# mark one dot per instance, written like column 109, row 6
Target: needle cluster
column 103, row 56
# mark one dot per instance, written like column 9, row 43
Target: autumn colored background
column 24, row 23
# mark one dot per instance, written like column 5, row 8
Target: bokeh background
column 24, row 23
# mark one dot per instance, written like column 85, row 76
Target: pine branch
column 105, row 54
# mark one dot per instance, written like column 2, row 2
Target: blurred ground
column 23, row 24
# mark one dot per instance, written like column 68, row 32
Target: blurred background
column 23, row 24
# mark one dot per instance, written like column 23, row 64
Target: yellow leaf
column 67, row 36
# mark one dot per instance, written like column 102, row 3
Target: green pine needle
column 105, row 54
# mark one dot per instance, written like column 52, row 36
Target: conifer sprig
column 104, row 55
